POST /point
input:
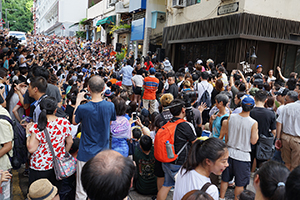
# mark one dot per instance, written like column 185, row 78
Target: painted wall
column 72, row 10
column 208, row 9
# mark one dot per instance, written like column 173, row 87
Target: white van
column 20, row 35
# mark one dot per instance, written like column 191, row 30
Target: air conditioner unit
column 179, row 3
column 119, row 8
column 112, row 2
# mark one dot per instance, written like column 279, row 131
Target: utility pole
column 1, row 12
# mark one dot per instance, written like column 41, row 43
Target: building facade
column 56, row 16
column 231, row 30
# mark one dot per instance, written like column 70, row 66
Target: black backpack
column 20, row 151
column 205, row 98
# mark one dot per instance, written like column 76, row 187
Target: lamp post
column 8, row 23
column 6, row 9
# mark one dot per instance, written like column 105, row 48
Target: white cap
column 199, row 62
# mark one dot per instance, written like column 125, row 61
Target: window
column 192, row 2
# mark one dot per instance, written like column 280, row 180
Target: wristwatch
column 27, row 135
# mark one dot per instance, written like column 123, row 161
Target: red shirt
column 150, row 65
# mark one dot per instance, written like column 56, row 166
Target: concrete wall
column 208, row 9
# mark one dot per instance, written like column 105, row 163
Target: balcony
column 137, row 5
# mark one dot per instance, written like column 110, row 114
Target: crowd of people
column 222, row 126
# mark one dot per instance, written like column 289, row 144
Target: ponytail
column 212, row 149
column 48, row 106
column 42, row 121
column 191, row 161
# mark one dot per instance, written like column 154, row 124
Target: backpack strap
column 205, row 186
column 6, row 118
column 11, row 123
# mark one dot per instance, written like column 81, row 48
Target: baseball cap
column 282, row 91
column 259, row 66
column 199, row 62
column 108, row 93
column 152, row 70
column 248, row 100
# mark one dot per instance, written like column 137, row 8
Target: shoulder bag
column 65, row 167
column 265, row 147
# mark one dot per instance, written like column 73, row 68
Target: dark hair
column 146, row 143
column 40, row 83
column 40, row 71
column 291, row 83
column 247, row 108
column 270, row 174
column 176, row 106
column 96, row 84
column 48, row 106
column 219, row 85
column 10, row 94
column 136, row 133
column 3, row 73
column 212, row 149
column 261, row 95
column 242, row 87
column 292, row 186
column 247, row 195
column 204, row 75
column 107, row 177
column 120, row 106
column 222, row 98
column 270, row 102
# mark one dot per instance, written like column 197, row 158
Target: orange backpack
column 164, row 134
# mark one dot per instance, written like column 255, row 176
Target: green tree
column 20, row 12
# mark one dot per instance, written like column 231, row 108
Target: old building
column 231, row 30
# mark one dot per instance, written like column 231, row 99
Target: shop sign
column 229, row 8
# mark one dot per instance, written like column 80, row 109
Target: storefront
column 232, row 38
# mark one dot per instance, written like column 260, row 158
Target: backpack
column 205, row 98
column 164, row 134
column 19, row 148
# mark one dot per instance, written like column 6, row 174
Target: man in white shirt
column 288, row 134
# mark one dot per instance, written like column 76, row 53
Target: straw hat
column 42, row 189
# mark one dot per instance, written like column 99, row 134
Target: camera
column 87, row 96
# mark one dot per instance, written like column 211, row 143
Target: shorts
column 128, row 89
column 239, row 169
column 170, row 171
column 138, row 90
column 158, row 170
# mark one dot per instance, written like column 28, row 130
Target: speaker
column 160, row 54
column 118, row 47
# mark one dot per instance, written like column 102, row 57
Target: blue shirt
column 216, row 126
column 127, row 75
column 95, row 118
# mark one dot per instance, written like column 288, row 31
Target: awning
column 107, row 20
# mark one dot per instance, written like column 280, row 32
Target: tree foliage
column 22, row 15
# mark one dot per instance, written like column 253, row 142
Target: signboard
column 229, row 8
column 98, row 29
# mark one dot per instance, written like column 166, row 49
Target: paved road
column 20, row 184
